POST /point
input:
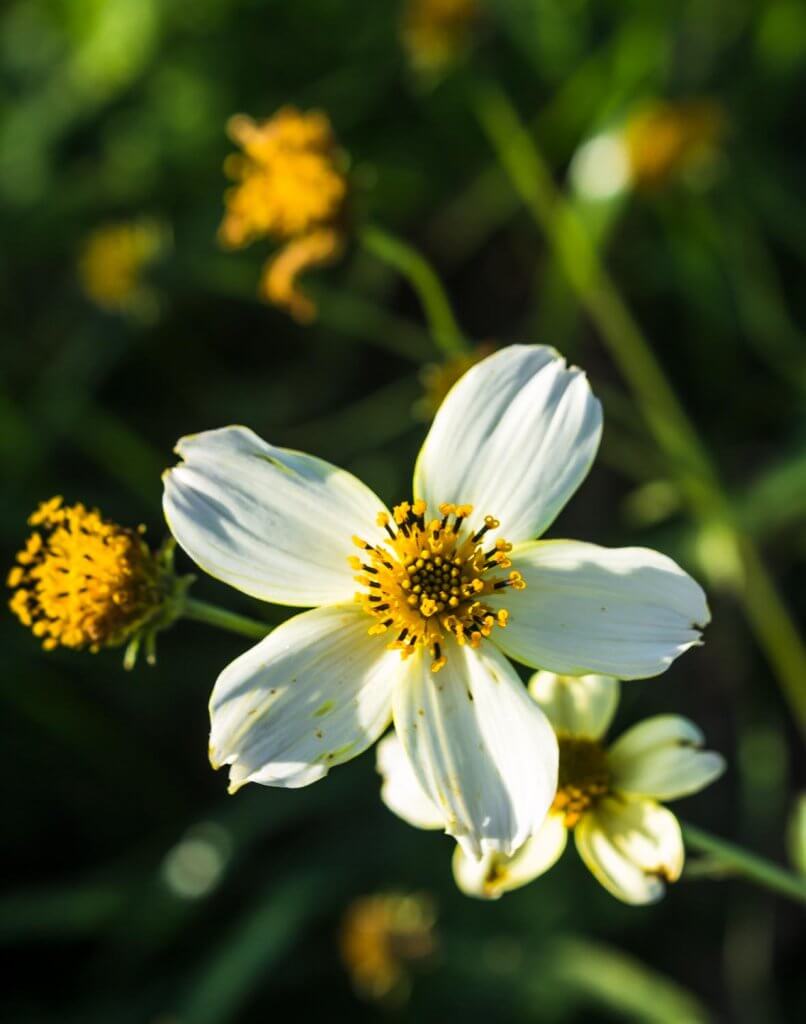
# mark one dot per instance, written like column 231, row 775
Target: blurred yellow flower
column 437, row 379
column 113, row 261
column 665, row 140
column 435, row 32
column 380, row 936
column 82, row 581
column 289, row 187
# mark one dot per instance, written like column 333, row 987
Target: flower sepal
column 171, row 607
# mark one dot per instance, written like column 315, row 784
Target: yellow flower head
column 380, row 935
column 435, row 32
column 438, row 378
column 82, row 581
column 289, row 187
column 113, row 261
column 665, row 140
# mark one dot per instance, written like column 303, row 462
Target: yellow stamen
column 83, row 582
column 583, row 778
column 429, row 581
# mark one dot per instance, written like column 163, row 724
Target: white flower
column 423, row 640
column 609, row 798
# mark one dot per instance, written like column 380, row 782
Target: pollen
column 288, row 187
column 430, row 579
column 82, row 581
column 583, row 778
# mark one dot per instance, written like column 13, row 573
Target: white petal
column 632, row 847
column 663, row 758
column 481, row 749
column 315, row 693
column 577, row 705
column 623, row 612
column 401, row 792
column 515, row 438
column 274, row 523
column 496, row 873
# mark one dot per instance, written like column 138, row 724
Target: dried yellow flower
column 435, row 32
column 289, row 187
column 112, row 263
column 380, row 935
column 438, row 378
column 668, row 139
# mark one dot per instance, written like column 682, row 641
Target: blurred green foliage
column 135, row 890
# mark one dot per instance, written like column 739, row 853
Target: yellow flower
column 289, row 187
column 113, row 261
column 82, row 581
column 438, row 378
column 665, row 140
column 435, row 32
column 380, row 935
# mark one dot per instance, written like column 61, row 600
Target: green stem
column 422, row 278
column 673, row 431
column 201, row 611
column 734, row 858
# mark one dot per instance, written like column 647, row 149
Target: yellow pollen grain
column 82, row 581
column 428, row 581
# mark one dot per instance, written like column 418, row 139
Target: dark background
column 116, row 110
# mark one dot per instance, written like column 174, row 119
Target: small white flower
column 437, row 580
column 629, row 842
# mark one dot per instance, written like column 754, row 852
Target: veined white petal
column 515, row 437
column 315, row 693
column 274, row 523
column 496, row 873
column 400, row 791
column 577, row 705
column 623, row 612
column 632, row 847
column 481, row 749
column 662, row 757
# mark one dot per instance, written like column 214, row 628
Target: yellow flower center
column 431, row 578
column 81, row 581
column 583, row 777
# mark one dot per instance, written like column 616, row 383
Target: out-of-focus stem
column 422, row 278
column 674, row 432
column 201, row 611
column 736, row 860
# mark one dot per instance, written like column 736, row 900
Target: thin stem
column 734, row 858
column 201, row 611
column 422, row 278
column 671, row 427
